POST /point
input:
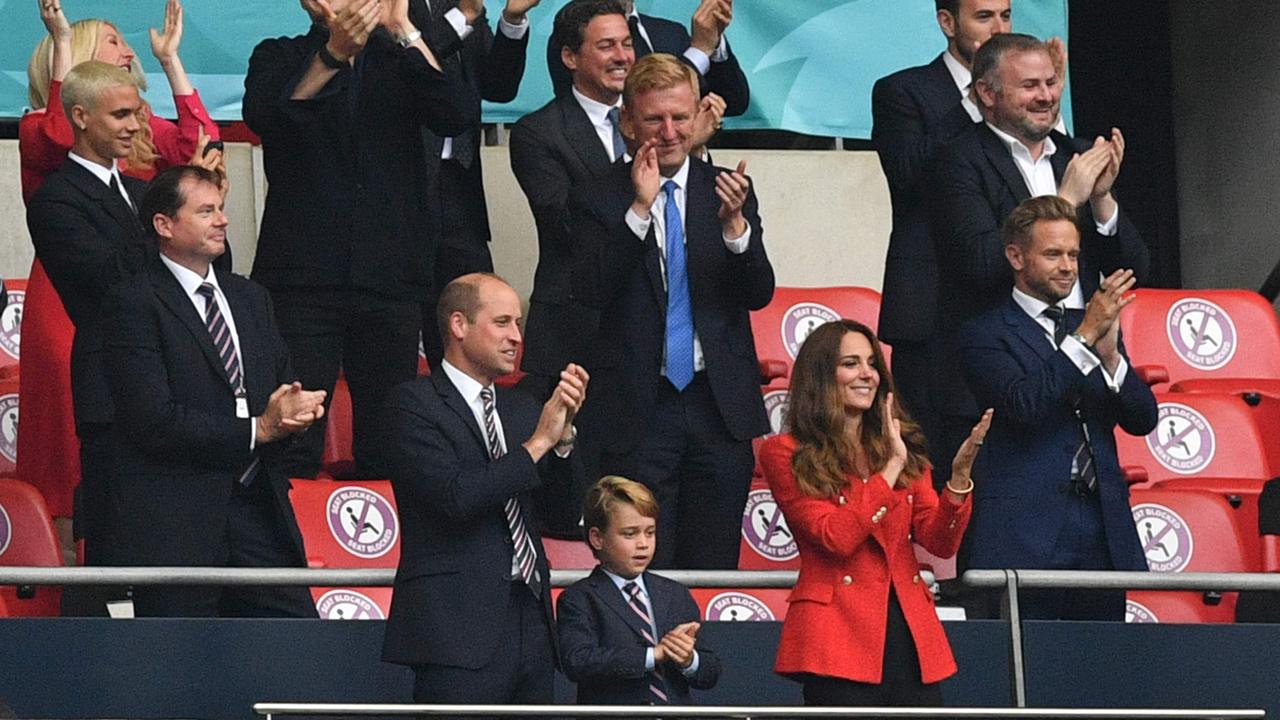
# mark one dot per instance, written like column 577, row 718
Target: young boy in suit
column 627, row 636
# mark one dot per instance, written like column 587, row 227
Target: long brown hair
column 816, row 417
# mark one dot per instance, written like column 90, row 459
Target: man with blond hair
column 675, row 363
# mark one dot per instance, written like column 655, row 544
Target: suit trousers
column 256, row 537
column 699, row 474
column 522, row 671
column 462, row 249
column 901, row 684
column 1081, row 545
column 372, row 339
column 913, row 366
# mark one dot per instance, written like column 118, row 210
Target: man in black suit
column 492, row 64
column 345, row 246
column 983, row 175
column 706, row 51
column 203, row 392
column 472, row 607
column 1052, row 495
column 84, row 225
column 914, row 113
column 671, row 251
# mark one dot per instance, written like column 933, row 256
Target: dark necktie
column 1059, row 318
column 118, row 190
column 526, row 555
column 637, row 40
column 657, row 686
column 220, row 332
column 679, row 303
column 619, row 143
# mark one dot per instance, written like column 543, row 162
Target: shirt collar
column 102, row 173
column 619, row 581
column 681, row 178
column 962, row 76
column 467, row 386
column 1030, row 305
column 187, row 278
column 1017, row 148
column 597, row 112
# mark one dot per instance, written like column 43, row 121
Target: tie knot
column 631, row 589
column 205, row 290
column 486, row 396
column 1054, row 313
column 669, row 187
column 615, row 116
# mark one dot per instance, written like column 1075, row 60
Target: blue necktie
column 679, row 305
column 619, row 144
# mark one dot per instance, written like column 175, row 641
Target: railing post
column 1016, row 666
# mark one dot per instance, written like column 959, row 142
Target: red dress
column 48, row 450
column 852, row 548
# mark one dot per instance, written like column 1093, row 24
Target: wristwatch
column 328, row 58
column 1080, row 339
column 408, row 40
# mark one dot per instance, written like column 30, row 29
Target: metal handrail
column 329, row 577
column 1123, row 580
column 725, row 711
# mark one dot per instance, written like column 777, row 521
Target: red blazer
column 852, row 547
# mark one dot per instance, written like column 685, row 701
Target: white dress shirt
column 657, row 220
column 598, row 113
column 649, row 662
column 1079, row 355
column 191, row 283
column 105, row 174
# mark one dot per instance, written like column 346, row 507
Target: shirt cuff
column 1108, row 228
column 648, row 659
column 459, row 23
column 738, row 245
column 699, row 59
column 253, row 434
column 564, row 452
column 693, row 666
column 1079, row 355
column 511, row 30
column 1122, row 371
column 638, row 225
column 721, row 52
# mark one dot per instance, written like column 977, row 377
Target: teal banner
column 811, row 63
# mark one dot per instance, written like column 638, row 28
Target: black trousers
column 372, row 339
column 901, row 685
column 463, row 249
column 699, row 474
column 913, row 368
column 256, row 537
column 522, row 671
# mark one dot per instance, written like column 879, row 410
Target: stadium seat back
column 11, row 326
column 347, row 523
column 365, row 603
column 27, row 538
column 338, row 459
column 1188, row 531
column 1241, row 495
column 1197, row 435
column 781, row 326
column 1216, row 335
column 568, row 554
column 8, row 425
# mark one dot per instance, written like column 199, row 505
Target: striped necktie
column 526, row 555
column 657, row 686
column 216, row 324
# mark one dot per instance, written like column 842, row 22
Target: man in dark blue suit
column 670, row 250
column 472, row 607
column 1052, row 495
column 706, row 51
column 629, row 636
column 204, row 396
column 1014, row 154
column 915, row 112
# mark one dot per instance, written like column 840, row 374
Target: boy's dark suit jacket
column 603, row 649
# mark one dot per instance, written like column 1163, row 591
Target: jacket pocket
column 812, row 592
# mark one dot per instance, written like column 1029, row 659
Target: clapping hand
column 732, row 188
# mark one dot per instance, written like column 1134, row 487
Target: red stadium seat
column 767, row 543
column 1197, row 435
column 348, row 524
column 8, row 425
column 745, row 605
column 1242, row 495
column 338, row 459
column 1224, row 338
column 11, row 327
column 782, row 325
column 568, row 554
column 1188, row 531
column 27, row 538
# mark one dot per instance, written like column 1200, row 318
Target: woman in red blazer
column 853, row 482
column 48, row 450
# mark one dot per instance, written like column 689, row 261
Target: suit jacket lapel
column 251, row 357
column 941, row 87
column 453, row 399
column 582, row 137
column 111, row 202
column 998, row 155
column 612, row 596
column 175, row 299
column 1027, row 330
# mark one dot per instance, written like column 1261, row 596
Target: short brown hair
column 461, row 295
column 658, row 71
column 1020, row 224
column 607, row 494
column 987, row 60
